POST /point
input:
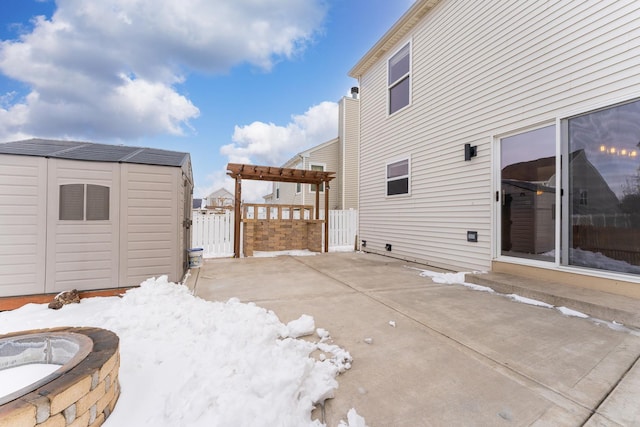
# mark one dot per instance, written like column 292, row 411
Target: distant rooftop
column 76, row 150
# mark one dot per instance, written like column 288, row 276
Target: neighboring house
column 456, row 91
column 339, row 155
column 218, row 200
column 91, row 216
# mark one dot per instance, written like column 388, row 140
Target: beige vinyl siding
column 81, row 254
column 350, row 138
column 328, row 155
column 149, row 223
column 481, row 69
column 23, row 210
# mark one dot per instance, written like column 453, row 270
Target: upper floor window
column 321, row 169
column 399, row 72
column 79, row 202
column 398, row 177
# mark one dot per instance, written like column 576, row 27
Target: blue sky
column 244, row 80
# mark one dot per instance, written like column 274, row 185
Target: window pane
column 400, row 168
column 399, row 64
column 319, row 168
column 399, row 96
column 71, row 202
column 97, row 203
column 398, row 186
column 528, row 164
column 604, row 189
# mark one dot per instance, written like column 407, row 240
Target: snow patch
column 569, row 312
column 303, row 326
column 353, row 420
column 221, row 363
column 272, row 254
column 529, row 301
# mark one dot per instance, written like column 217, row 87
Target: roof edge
column 405, row 24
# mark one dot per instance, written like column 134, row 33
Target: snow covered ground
column 190, row 362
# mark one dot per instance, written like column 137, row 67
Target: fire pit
column 83, row 390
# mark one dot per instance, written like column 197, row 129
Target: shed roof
column 90, row 151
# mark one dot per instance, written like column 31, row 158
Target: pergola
column 276, row 174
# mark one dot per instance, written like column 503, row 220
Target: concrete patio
column 455, row 356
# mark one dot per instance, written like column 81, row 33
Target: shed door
column 82, row 226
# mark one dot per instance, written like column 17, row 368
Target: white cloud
column 271, row 144
column 96, row 64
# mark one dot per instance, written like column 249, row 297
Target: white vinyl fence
column 213, row 232
column 343, row 226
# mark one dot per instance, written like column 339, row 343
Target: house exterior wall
column 480, row 70
column 349, row 131
column 150, row 243
column 81, row 254
column 23, row 216
column 327, row 154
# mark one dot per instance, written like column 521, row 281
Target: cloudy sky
column 227, row 80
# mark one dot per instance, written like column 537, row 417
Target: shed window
column 80, row 202
column 399, row 79
column 398, row 177
column 72, row 202
column 97, row 203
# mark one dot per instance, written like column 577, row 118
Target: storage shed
column 91, row 216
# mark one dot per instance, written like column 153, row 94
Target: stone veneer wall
column 82, row 397
column 281, row 235
column 276, row 227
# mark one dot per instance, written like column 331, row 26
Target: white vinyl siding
column 350, row 139
column 23, row 210
column 481, row 69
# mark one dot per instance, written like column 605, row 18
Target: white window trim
column 410, row 74
column 324, row 169
column 408, row 176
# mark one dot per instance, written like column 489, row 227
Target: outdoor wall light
column 470, row 151
column 364, row 244
column 387, row 246
column 472, row 236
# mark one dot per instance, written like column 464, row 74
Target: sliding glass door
column 527, row 185
column 602, row 163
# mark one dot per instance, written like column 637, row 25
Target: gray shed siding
column 143, row 236
column 479, row 70
column 23, row 210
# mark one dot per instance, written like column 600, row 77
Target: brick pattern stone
column 84, row 396
column 281, row 234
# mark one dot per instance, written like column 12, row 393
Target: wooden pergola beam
column 276, row 174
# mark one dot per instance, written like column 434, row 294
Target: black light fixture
column 387, row 246
column 364, row 244
column 470, row 151
column 472, row 236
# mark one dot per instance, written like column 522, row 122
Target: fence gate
column 213, row 232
